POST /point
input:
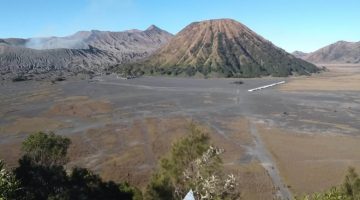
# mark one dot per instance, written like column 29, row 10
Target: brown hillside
column 222, row 47
column 338, row 53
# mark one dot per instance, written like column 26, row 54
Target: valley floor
column 298, row 137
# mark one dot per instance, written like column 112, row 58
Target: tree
column 42, row 175
column 205, row 177
column 166, row 183
column 40, row 182
column 46, row 149
column 87, row 185
column 41, row 171
column 8, row 183
column 160, row 187
column 191, row 164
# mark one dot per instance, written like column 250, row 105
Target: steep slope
column 13, row 42
column 338, row 53
column 85, row 51
column 142, row 43
column 221, row 47
column 27, row 62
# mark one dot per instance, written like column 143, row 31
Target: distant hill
column 219, row 48
column 300, row 54
column 338, row 53
column 85, row 51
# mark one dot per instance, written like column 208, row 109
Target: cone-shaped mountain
column 219, row 48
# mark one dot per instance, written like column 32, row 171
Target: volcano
column 219, row 48
column 83, row 52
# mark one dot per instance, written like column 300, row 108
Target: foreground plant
column 349, row 190
column 8, row 183
column 206, row 178
column 193, row 164
column 332, row 194
column 42, row 174
column 46, row 149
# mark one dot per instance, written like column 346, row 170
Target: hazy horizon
column 305, row 26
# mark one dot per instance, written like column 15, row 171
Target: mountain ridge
column 340, row 52
column 85, row 51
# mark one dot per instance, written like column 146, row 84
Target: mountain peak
column 299, row 54
column 152, row 28
column 221, row 20
column 133, row 31
column 340, row 42
column 225, row 26
column 156, row 30
column 80, row 34
column 216, row 22
column 340, row 52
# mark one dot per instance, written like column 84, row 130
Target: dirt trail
column 261, row 153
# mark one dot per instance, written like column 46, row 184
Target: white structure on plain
column 266, row 86
column 189, row 196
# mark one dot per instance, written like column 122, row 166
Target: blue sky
column 290, row 24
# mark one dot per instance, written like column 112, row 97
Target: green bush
column 192, row 164
column 42, row 176
column 8, row 183
column 166, row 182
column 351, row 185
column 46, row 149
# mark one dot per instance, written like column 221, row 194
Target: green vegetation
column 349, row 190
column 41, row 175
column 8, row 183
column 227, row 69
column 351, row 185
column 332, row 194
column 192, row 164
column 46, row 149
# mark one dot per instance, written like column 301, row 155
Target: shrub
column 42, row 176
column 46, row 149
column 8, row 183
column 238, row 82
column 19, row 78
column 192, row 164
column 351, row 184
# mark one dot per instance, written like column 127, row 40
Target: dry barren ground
column 311, row 162
column 80, row 106
column 338, row 78
column 121, row 128
column 131, row 152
